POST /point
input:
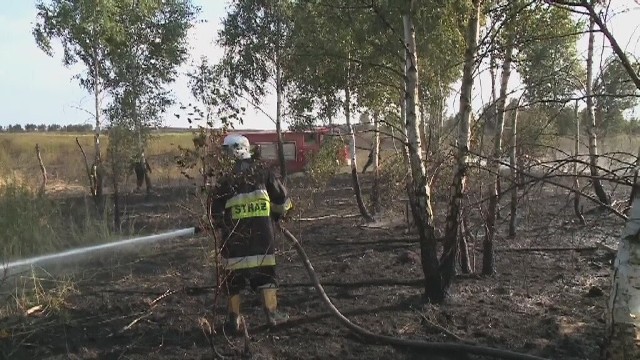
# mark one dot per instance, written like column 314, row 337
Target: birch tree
column 83, row 27
column 488, row 261
column 331, row 47
column 514, row 109
column 591, row 130
column 256, row 38
column 623, row 315
column 422, row 211
column 536, row 40
column 145, row 58
column 623, row 318
column 451, row 239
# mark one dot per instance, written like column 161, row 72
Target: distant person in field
column 142, row 170
column 244, row 205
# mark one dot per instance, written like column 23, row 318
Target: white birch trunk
column 623, row 318
column 593, row 138
column 451, row 240
column 375, row 192
column 514, row 170
column 352, row 148
column 576, row 182
column 422, row 212
column 488, row 261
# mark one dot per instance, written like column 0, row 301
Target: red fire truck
column 299, row 146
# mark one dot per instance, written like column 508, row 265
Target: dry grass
column 64, row 162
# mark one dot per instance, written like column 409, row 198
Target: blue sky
column 36, row 88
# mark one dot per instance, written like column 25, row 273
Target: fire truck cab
column 299, row 146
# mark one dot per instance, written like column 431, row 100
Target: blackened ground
column 548, row 303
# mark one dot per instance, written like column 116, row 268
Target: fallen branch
column 164, row 295
column 135, row 321
column 550, row 249
column 323, row 217
column 339, row 242
column 442, row 329
column 606, row 248
column 388, row 340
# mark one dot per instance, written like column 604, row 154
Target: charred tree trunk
column 421, row 208
column 593, row 138
column 634, row 189
column 488, row 261
column 352, row 148
column 513, row 159
column 375, row 191
column 465, row 259
column 43, row 170
column 451, row 240
column 576, row 182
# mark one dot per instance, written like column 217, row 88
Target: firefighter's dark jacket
column 244, row 205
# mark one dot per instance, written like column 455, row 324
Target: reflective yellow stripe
column 281, row 209
column 248, row 262
column 253, row 204
column 247, row 198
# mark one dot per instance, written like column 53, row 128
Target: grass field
column 65, row 164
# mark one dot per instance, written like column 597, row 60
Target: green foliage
column 547, row 58
column 323, row 165
column 219, row 98
column 83, row 27
column 150, row 46
column 339, row 45
column 255, row 37
column 35, row 225
column 131, row 47
column 537, row 129
column 121, row 149
column 613, row 93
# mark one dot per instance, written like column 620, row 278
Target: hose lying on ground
column 389, row 340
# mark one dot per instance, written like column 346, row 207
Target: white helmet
column 238, row 146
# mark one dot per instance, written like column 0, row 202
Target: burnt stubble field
column 159, row 301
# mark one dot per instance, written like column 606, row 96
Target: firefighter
column 244, row 205
column 142, row 170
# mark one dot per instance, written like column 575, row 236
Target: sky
column 38, row 89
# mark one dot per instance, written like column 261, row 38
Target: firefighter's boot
column 233, row 322
column 270, row 302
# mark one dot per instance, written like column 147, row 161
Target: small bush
column 324, row 165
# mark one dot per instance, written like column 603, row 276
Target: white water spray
column 21, row 265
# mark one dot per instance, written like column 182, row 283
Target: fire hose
column 389, row 340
